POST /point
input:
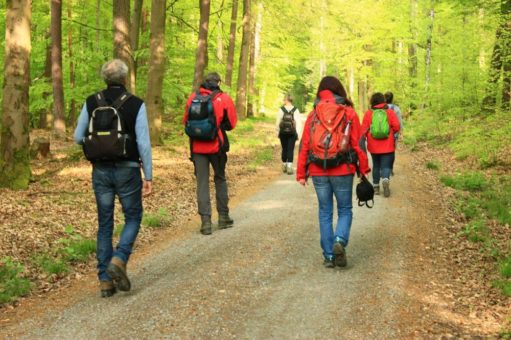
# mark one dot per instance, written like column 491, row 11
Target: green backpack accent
column 380, row 124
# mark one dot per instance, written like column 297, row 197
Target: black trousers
column 218, row 162
column 288, row 147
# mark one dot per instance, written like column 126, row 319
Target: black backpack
column 201, row 121
column 287, row 125
column 365, row 193
column 106, row 138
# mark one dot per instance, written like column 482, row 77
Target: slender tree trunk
column 98, row 15
column 72, row 80
column 46, row 114
column 154, row 98
column 412, row 52
column 134, row 35
column 241, row 93
column 219, row 36
column 59, row 124
column 252, row 67
column 122, row 42
column 201, row 59
column 14, row 140
column 427, row 61
column 232, row 43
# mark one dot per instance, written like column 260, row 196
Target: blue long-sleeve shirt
column 141, row 131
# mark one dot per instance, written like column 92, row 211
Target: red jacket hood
column 380, row 106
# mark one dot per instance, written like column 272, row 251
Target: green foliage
column 12, row 284
column 433, row 165
column 261, row 156
column 156, row 220
column 50, row 265
column 469, row 181
column 505, row 267
column 476, row 231
column 75, row 247
column 118, row 230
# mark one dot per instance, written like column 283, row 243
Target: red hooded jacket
column 342, row 169
column 225, row 112
column 378, row 146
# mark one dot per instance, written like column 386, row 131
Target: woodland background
column 448, row 63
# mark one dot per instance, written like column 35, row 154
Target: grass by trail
column 480, row 172
column 64, row 243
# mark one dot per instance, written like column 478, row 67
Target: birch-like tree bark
column 241, row 93
column 201, row 58
column 59, row 124
column 232, row 44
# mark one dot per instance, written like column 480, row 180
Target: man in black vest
column 117, row 175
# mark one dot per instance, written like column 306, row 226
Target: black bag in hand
column 365, row 193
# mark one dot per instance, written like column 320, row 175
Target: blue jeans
column 326, row 188
column 126, row 183
column 382, row 165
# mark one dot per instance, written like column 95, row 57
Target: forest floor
column 410, row 273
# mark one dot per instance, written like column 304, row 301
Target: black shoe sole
column 206, row 231
column 119, row 277
column 108, row 292
column 225, row 226
column 340, row 255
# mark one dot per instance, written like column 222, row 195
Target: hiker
column 114, row 132
column 288, row 126
column 209, row 113
column 332, row 168
column 379, row 125
column 389, row 97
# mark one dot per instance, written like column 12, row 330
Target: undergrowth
column 12, row 283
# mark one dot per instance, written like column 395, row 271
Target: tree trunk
column 154, row 98
column 134, row 35
column 59, row 124
column 252, row 68
column 98, row 15
column 46, row 114
column 241, row 93
column 412, row 51
column 201, row 58
column 232, row 43
column 219, row 36
column 427, row 61
column 72, row 80
column 14, row 141
column 122, row 42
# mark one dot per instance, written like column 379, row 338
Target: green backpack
column 380, row 124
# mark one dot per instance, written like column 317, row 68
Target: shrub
column 12, row 285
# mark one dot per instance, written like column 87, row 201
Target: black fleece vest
column 128, row 111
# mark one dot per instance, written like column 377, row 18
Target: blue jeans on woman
column 326, row 188
column 382, row 166
column 109, row 181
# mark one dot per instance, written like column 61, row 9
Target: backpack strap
column 100, row 99
column 121, row 100
column 293, row 110
column 284, row 110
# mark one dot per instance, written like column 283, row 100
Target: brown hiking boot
column 376, row 189
column 386, row 187
column 224, row 221
column 205, row 228
column 117, row 271
column 107, row 288
column 340, row 254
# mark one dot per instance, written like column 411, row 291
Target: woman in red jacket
column 381, row 149
column 332, row 181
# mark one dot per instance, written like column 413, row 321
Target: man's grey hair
column 114, row 71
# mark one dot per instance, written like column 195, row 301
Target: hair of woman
column 333, row 85
column 377, row 98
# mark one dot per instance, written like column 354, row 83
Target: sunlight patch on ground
column 74, row 171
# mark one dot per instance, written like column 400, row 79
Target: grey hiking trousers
column 218, row 162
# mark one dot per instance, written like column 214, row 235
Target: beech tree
column 59, row 124
column 154, row 98
column 232, row 43
column 122, row 41
column 201, row 58
column 241, row 92
column 14, row 140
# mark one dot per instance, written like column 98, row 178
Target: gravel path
column 263, row 278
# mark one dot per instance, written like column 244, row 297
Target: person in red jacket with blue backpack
column 379, row 125
column 209, row 113
column 334, row 126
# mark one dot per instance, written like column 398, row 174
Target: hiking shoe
column 376, row 189
column 205, row 228
column 224, row 221
column 107, row 288
column 386, row 187
column 284, row 167
column 289, row 169
column 117, row 271
column 340, row 255
column 329, row 262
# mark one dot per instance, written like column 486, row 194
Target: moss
column 16, row 175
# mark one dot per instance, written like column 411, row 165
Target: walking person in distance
column 288, row 126
column 379, row 125
column 114, row 132
column 330, row 154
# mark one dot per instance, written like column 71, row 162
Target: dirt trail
column 264, row 278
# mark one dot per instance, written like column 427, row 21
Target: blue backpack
column 201, row 121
